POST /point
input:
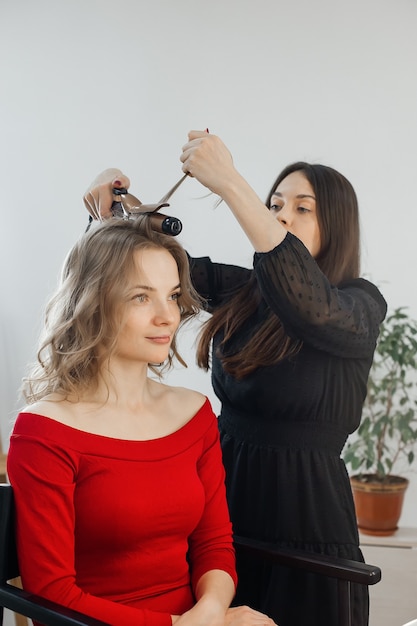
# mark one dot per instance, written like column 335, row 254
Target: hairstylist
column 292, row 344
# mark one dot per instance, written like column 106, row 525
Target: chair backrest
column 9, row 568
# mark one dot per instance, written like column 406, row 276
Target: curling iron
column 126, row 206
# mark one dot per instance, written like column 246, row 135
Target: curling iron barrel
column 127, row 206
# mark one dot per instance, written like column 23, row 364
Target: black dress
column 283, row 427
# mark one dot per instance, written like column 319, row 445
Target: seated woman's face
column 152, row 314
column 294, row 205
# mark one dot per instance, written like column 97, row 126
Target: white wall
column 91, row 84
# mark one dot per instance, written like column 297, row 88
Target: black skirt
column 291, row 490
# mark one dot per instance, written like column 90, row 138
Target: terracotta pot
column 378, row 504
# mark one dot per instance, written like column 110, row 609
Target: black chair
column 52, row 614
column 344, row 570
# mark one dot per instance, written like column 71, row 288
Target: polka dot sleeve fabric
column 216, row 282
column 342, row 320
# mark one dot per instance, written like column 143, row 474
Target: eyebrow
column 300, row 196
column 148, row 288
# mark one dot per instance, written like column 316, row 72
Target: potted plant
column 385, row 442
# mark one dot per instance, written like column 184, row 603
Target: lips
column 163, row 339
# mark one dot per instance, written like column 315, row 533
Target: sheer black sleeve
column 216, row 282
column 342, row 320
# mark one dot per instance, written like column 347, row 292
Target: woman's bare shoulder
column 190, row 397
column 186, row 401
column 53, row 406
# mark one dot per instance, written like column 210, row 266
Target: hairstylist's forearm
column 260, row 226
column 207, row 158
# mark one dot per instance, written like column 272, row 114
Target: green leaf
column 388, row 429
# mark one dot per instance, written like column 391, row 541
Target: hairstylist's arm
column 99, row 196
column 207, row 159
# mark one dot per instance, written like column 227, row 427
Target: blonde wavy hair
column 87, row 310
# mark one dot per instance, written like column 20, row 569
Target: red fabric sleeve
column 43, row 483
column 211, row 544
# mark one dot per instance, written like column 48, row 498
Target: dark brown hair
column 339, row 260
column 338, row 218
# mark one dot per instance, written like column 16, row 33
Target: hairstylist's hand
column 99, row 196
column 206, row 158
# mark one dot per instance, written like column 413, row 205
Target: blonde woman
column 118, row 479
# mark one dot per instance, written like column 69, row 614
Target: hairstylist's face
column 294, row 205
column 153, row 314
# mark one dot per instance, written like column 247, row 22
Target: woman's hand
column 235, row 616
column 99, row 196
column 245, row 616
column 206, row 158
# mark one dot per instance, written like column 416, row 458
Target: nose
column 284, row 216
column 163, row 313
